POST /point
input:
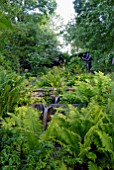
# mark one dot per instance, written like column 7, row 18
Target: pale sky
column 65, row 9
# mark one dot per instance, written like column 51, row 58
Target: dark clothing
column 87, row 58
column 88, row 65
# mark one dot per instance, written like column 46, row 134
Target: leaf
column 106, row 140
column 92, row 166
column 83, row 151
column 63, row 167
column 92, row 156
column 5, row 23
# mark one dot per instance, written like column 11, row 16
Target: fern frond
column 92, row 156
column 58, row 131
column 92, row 166
column 106, row 141
column 83, row 150
column 63, row 167
column 89, row 134
column 28, row 125
column 47, row 135
column 69, row 138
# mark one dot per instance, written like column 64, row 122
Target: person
column 113, row 61
column 88, row 59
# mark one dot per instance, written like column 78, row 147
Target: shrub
column 86, row 136
column 54, row 78
column 21, row 147
column 12, row 91
column 89, row 86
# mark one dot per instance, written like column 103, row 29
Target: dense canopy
column 93, row 28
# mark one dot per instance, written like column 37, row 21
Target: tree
column 32, row 42
column 16, row 8
column 93, row 28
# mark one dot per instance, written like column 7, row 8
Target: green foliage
column 21, row 147
column 4, row 64
column 32, row 42
column 93, row 166
column 30, row 128
column 75, row 66
column 18, row 8
column 53, row 78
column 87, row 135
column 76, row 138
column 88, row 86
column 22, row 130
column 79, row 6
column 4, row 22
column 92, row 30
column 30, row 46
column 12, row 92
column 10, row 149
column 71, row 98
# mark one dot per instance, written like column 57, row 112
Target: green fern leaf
column 88, row 135
column 83, row 150
column 47, row 135
column 63, row 167
column 58, row 131
column 92, row 156
column 106, row 140
column 69, row 138
column 92, row 166
column 28, row 125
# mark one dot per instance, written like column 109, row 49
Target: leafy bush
column 21, row 147
column 10, row 149
column 76, row 66
column 88, row 86
column 12, row 91
column 54, row 78
column 78, row 139
column 86, row 136
column 22, row 130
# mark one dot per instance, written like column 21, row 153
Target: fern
column 58, row 130
column 51, row 128
column 87, row 133
column 106, row 141
column 28, row 125
column 11, row 90
column 69, row 138
column 83, row 151
column 92, row 166
column 63, row 167
column 92, row 156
